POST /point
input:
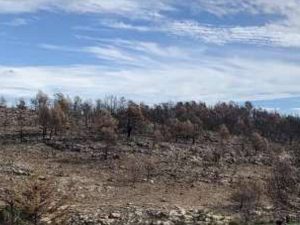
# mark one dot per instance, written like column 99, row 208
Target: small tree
column 224, row 133
column 106, row 128
column 135, row 119
column 31, row 200
column 247, row 198
column 224, row 136
column 5, row 119
column 57, row 119
column 134, row 169
column 65, row 103
column 87, row 111
column 2, row 102
column 41, row 99
column 157, row 137
column 183, row 129
column 283, row 184
column 44, row 117
column 21, row 119
column 150, row 166
column 260, row 143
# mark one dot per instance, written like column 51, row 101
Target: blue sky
column 153, row 50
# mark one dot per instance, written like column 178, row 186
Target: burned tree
column 106, row 128
column 134, row 119
column 57, row 120
column 21, row 119
column 3, row 102
column 246, row 198
column 283, row 185
column 44, row 117
column 87, row 111
column 30, row 201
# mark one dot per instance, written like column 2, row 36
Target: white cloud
column 211, row 79
column 128, row 8
column 129, row 52
column 287, row 8
column 264, row 35
column 125, row 26
column 149, row 48
column 109, row 53
column 283, row 29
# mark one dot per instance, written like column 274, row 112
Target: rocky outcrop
column 137, row 216
column 10, row 168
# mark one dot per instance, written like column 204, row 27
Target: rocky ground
column 141, row 182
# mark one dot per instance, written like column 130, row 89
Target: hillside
column 118, row 162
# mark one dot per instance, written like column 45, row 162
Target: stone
column 115, row 215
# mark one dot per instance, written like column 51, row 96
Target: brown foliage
column 58, row 119
column 44, row 116
column 260, row 143
column 224, row 132
column 32, row 200
column 106, row 127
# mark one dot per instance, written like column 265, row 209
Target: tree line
column 112, row 116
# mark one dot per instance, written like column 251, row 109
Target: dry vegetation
column 61, row 156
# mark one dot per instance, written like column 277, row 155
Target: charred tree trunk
column 129, row 129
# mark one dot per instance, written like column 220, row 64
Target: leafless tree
column 283, row 184
column 21, row 119
column 3, row 102
column 44, row 117
column 247, row 198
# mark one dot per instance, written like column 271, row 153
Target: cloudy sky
column 153, row 50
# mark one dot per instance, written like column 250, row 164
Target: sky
column 153, row 50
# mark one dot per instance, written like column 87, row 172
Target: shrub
column 260, row 143
column 283, row 185
column 247, row 198
column 31, row 200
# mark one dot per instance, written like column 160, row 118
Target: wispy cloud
column 127, row 26
column 109, row 53
column 15, row 22
column 258, row 35
column 128, row 8
column 212, row 80
column 129, row 52
column 282, row 30
column 149, row 48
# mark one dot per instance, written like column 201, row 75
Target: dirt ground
column 95, row 183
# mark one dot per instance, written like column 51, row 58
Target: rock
column 174, row 213
column 138, row 216
column 43, row 178
column 115, row 215
column 17, row 170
